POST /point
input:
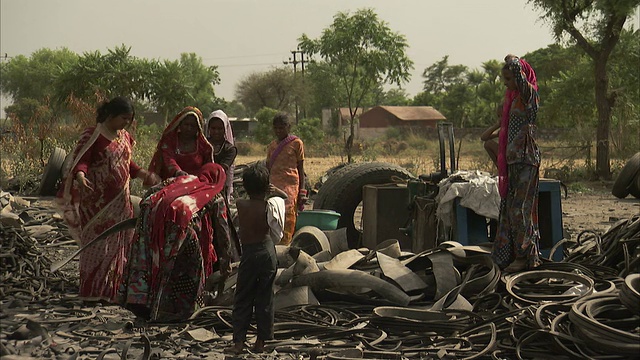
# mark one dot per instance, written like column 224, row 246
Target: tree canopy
column 278, row 89
column 363, row 53
column 595, row 26
column 48, row 78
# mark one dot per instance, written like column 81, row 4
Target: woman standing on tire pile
column 285, row 161
column 95, row 196
column 516, row 245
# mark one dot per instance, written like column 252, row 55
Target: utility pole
column 295, row 62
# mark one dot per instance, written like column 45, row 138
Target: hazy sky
column 245, row 36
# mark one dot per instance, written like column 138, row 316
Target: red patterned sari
column 168, row 159
column 108, row 166
column 172, row 252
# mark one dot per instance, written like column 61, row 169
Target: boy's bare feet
column 236, row 349
column 259, row 346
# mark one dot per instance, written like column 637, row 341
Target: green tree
column 277, row 89
column 264, row 130
column 29, row 81
column 324, row 88
column 310, row 130
column 448, row 90
column 625, row 79
column 235, row 109
column 595, row 26
column 394, row 97
column 363, row 53
column 95, row 76
column 490, row 92
column 440, row 76
column 178, row 83
column 33, row 77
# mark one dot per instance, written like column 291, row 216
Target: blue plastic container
column 322, row 219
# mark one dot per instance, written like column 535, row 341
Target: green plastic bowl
column 322, row 219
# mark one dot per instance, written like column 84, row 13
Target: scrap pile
column 450, row 302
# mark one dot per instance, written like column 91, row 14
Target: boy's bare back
column 252, row 216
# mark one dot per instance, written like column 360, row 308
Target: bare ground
column 588, row 206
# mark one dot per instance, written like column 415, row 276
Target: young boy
column 261, row 220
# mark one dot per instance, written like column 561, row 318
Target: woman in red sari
column 183, row 147
column 95, row 196
column 172, row 251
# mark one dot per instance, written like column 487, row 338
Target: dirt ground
column 592, row 208
column 595, row 208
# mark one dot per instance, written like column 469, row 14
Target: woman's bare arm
column 490, row 133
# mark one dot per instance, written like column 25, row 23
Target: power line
column 239, row 65
column 295, row 63
column 240, row 56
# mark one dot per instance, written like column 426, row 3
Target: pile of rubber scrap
column 25, row 231
column 450, row 302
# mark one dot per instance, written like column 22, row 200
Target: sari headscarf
column 509, row 97
column 228, row 137
column 176, row 203
column 169, row 139
column 228, row 130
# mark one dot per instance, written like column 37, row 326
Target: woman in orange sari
column 285, row 160
column 95, row 196
column 183, row 147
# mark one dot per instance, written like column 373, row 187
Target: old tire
column 626, row 177
column 634, row 188
column 343, row 191
column 311, row 240
column 335, row 177
column 52, row 173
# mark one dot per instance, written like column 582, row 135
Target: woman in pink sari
column 95, row 196
column 285, row 160
column 183, row 147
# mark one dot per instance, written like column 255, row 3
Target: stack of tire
column 628, row 181
column 342, row 192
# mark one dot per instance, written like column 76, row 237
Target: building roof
column 414, row 113
column 345, row 113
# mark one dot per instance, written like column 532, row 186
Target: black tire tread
column 321, row 196
column 634, row 187
column 626, row 177
column 344, row 193
column 52, row 172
